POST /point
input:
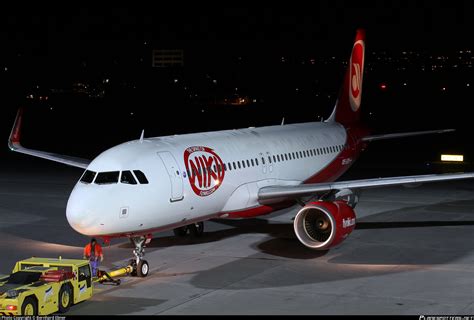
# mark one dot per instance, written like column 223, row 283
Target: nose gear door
column 174, row 174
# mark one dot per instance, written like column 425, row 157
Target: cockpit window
column 140, row 176
column 107, row 177
column 127, row 178
column 88, row 176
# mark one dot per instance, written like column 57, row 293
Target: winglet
column 14, row 139
column 141, row 137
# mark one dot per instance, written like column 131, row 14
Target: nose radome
column 79, row 213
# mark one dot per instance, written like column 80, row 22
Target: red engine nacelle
column 321, row 225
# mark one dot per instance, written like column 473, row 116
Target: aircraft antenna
column 141, row 137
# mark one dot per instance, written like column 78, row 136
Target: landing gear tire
column 196, row 229
column 142, row 268
column 181, row 231
column 133, row 263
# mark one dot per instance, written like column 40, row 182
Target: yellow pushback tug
column 42, row 286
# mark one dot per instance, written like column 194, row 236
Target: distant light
column 51, row 108
column 297, row 89
column 214, row 81
column 443, row 89
column 383, row 86
column 202, row 110
column 144, row 43
column 254, row 100
column 236, row 89
column 467, row 84
column 452, row 157
column 404, row 83
column 175, row 80
column 106, row 80
column 6, row 69
column 131, row 113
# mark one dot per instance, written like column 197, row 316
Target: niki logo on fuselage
column 205, row 170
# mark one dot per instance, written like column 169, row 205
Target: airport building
column 163, row 58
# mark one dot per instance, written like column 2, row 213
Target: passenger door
column 174, row 174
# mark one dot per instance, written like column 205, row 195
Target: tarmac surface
column 411, row 253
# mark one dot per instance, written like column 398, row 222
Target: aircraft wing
column 14, row 145
column 272, row 192
column 403, row 134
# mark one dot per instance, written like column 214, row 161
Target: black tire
column 181, row 231
column 133, row 263
column 196, row 230
column 64, row 298
column 142, row 268
column 29, row 306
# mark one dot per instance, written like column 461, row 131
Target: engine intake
column 321, row 225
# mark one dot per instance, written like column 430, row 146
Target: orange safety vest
column 97, row 250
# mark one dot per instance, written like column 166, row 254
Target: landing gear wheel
column 29, row 307
column 181, row 231
column 64, row 298
column 142, row 268
column 133, row 263
column 196, row 229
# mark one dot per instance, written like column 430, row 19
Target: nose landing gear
column 140, row 266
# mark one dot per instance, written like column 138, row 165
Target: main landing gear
column 140, row 266
column 195, row 230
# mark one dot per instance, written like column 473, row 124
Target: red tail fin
column 347, row 109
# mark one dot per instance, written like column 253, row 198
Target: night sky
column 54, row 45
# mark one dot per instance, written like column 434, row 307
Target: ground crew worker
column 93, row 252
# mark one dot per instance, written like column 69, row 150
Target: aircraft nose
column 80, row 215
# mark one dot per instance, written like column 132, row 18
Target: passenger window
column 256, row 161
column 238, row 163
column 278, row 157
column 235, row 167
column 274, row 158
column 140, row 176
column 243, row 164
column 251, row 160
column 88, row 176
column 286, row 156
column 107, row 177
column 225, row 168
column 263, row 160
column 127, row 178
column 248, row 163
column 269, row 159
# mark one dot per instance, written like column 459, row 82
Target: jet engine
column 321, row 225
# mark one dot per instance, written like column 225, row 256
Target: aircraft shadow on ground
column 375, row 248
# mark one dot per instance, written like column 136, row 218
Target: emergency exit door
column 174, row 175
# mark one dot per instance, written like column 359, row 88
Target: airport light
column 452, row 157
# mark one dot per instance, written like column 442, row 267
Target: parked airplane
column 177, row 182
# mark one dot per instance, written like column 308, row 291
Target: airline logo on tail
column 205, row 168
column 356, row 67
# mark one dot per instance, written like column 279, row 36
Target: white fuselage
column 172, row 198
